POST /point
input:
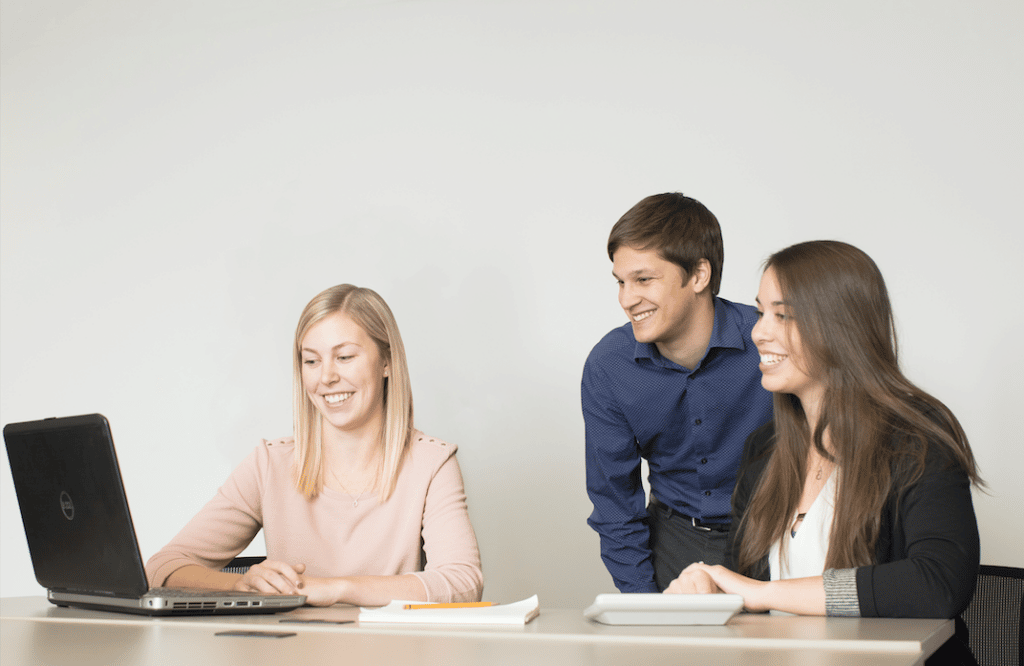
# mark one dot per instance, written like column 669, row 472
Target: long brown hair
column 880, row 425
column 369, row 311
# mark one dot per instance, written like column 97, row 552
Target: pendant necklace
column 355, row 498
column 799, row 519
column 800, row 516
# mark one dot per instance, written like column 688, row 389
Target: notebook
column 646, row 608
column 80, row 532
column 520, row 612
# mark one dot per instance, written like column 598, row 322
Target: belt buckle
column 693, row 521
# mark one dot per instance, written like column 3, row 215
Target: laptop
column 80, row 532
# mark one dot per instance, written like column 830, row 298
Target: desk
column 33, row 631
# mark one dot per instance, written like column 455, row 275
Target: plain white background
column 179, row 178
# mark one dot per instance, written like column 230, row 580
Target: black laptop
column 80, row 532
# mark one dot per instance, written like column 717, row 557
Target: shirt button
column 703, row 461
column 707, row 493
column 697, row 422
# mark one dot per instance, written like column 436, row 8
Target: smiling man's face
column 655, row 294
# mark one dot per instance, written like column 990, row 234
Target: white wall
column 179, row 178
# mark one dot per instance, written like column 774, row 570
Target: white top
column 805, row 553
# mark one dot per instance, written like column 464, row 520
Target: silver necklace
column 355, row 498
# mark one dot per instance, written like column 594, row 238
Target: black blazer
column 928, row 552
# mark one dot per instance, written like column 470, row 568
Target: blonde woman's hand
column 324, row 591
column 272, row 577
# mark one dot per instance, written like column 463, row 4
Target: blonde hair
column 373, row 315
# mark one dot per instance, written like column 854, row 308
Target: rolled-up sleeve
column 841, row 593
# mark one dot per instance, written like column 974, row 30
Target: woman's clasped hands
column 276, row 577
column 700, row 578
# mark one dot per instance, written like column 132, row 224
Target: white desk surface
column 34, row 631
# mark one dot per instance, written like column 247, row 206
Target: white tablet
column 664, row 608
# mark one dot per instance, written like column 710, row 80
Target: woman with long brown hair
column 856, row 498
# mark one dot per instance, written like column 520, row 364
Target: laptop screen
column 73, row 506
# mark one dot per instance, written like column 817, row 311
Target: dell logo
column 66, row 505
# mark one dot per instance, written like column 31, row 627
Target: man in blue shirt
column 679, row 386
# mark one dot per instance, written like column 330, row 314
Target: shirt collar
column 725, row 334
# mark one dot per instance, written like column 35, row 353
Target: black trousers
column 676, row 543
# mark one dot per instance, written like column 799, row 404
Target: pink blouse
column 330, row 535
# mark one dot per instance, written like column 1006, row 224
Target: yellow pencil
column 469, row 604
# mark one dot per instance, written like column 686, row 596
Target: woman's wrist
column 342, row 590
column 759, row 598
column 327, row 591
column 197, row 576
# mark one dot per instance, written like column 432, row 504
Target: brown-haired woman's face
column 783, row 365
column 343, row 373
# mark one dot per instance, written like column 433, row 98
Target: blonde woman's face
column 343, row 375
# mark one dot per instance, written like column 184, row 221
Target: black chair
column 994, row 617
column 240, row 565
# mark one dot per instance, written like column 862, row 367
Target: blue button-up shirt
column 690, row 425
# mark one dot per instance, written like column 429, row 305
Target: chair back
column 993, row 618
column 240, row 565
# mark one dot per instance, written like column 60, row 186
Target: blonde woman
column 354, row 501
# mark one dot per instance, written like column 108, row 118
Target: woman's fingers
column 272, row 577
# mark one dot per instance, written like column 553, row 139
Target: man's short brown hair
column 680, row 228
